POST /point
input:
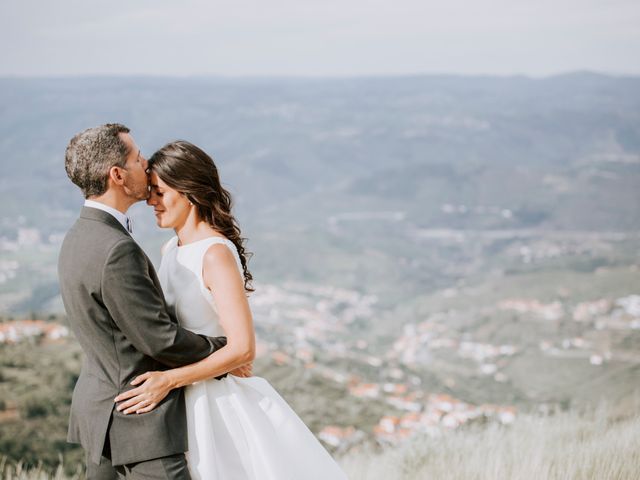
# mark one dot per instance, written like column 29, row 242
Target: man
column 116, row 309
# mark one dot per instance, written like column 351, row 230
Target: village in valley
column 314, row 328
column 320, row 319
column 333, row 334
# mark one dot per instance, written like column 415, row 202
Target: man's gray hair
column 91, row 154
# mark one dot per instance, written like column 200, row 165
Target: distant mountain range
column 326, row 168
column 560, row 152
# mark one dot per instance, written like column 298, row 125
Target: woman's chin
column 160, row 222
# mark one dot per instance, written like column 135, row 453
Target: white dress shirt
column 117, row 214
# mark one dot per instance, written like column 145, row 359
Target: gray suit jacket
column 116, row 309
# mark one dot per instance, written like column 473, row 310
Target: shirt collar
column 117, row 214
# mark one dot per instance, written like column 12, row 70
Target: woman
column 238, row 426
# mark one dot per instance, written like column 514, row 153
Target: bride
column 238, row 426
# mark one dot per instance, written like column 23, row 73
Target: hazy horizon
column 214, row 76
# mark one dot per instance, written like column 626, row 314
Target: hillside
column 431, row 252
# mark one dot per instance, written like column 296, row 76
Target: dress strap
column 169, row 245
column 214, row 240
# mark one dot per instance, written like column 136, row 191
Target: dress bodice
column 239, row 428
column 186, row 295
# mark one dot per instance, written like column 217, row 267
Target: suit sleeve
column 139, row 310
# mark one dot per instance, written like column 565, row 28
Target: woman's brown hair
column 189, row 170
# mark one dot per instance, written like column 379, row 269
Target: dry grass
column 560, row 447
column 9, row 471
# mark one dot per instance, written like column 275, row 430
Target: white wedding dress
column 239, row 428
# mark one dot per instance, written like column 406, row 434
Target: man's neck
column 113, row 200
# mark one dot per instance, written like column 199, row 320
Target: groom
column 116, row 310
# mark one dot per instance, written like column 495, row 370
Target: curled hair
column 189, row 170
column 91, row 154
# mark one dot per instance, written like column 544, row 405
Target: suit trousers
column 171, row 467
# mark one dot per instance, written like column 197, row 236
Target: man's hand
column 243, row 371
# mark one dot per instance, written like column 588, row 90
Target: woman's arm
column 221, row 277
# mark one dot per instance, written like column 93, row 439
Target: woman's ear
column 187, row 197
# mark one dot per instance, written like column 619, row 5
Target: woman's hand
column 153, row 387
column 243, row 371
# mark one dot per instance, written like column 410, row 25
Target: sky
column 318, row 38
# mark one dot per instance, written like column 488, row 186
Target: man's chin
column 138, row 194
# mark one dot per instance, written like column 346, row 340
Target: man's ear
column 115, row 174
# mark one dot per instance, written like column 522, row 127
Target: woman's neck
column 194, row 229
